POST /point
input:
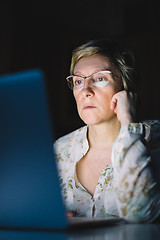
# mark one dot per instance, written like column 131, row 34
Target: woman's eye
column 78, row 82
column 100, row 79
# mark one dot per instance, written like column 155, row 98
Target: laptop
column 30, row 194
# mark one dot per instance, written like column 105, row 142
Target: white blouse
column 127, row 188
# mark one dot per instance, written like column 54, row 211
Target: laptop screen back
column 30, row 195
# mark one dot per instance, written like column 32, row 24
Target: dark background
column 42, row 34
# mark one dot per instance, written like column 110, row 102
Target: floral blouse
column 128, row 188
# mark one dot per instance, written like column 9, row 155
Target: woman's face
column 93, row 103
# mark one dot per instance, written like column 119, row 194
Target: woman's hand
column 69, row 214
column 121, row 104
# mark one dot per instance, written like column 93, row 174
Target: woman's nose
column 87, row 89
column 87, row 83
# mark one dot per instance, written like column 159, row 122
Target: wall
column 42, row 34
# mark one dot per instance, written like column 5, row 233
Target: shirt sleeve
column 137, row 189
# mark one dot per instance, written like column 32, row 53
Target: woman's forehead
column 92, row 64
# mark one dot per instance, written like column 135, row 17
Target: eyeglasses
column 97, row 79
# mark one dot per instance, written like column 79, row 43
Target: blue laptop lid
column 30, row 195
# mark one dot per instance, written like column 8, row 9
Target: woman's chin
column 90, row 121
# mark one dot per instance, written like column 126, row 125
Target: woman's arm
column 136, row 184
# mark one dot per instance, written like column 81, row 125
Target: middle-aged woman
column 106, row 167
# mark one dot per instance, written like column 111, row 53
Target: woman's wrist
column 126, row 120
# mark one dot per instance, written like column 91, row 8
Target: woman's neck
column 103, row 135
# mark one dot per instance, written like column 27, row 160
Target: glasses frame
column 74, row 75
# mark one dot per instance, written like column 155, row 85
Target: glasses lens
column 70, row 82
column 75, row 82
column 78, row 82
column 100, row 79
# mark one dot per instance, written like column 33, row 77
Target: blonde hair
column 80, row 52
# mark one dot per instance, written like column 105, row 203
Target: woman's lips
column 89, row 107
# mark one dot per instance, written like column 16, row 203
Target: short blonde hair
column 80, row 52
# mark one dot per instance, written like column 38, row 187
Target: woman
column 105, row 167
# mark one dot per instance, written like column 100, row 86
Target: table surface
column 120, row 231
